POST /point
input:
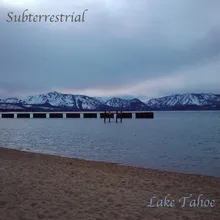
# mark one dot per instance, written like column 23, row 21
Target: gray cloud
column 121, row 46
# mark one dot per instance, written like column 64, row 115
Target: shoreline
column 42, row 186
column 102, row 162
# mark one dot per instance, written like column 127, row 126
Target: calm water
column 186, row 142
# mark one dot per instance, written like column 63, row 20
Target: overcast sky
column 142, row 48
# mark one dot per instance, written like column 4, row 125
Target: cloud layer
column 141, row 48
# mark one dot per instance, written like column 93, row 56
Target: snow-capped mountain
column 57, row 99
column 117, row 102
column 53, row 100
column 189, row 99
column 68, row 102
column 133, row 104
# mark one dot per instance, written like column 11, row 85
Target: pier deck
column 72, row 115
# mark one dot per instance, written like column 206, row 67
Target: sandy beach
column 36, row 186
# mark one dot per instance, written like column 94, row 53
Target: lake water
column 187, row 142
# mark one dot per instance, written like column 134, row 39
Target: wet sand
column 36, row 186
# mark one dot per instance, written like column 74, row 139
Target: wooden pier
column 107, row 116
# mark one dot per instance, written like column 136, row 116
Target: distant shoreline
column 157, row 110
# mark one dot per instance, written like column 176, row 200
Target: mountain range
column 55, row 101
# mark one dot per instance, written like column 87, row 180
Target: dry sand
column 37, row 186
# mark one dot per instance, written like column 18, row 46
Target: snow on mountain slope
column 52, row 98
column 10, row 100
column 184, row 99
column 56, row 100
column 86, row 102
column 103, row 100
column 9, row 106
column 117, row 102
column 63, row 100
column 134, row 104
column 137, row 104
